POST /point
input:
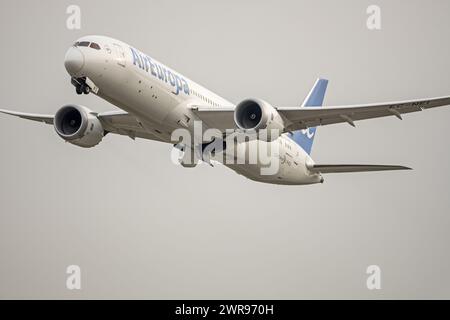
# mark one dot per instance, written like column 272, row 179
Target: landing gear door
column 120, row 55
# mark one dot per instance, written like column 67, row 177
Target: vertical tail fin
column 305, row 138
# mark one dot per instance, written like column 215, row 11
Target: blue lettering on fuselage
column 146, row 63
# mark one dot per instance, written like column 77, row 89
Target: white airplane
column 156, row 100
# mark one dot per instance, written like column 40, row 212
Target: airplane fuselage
column 161, row 99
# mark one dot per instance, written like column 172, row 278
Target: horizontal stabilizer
column 342, row 168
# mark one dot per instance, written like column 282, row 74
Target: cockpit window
column 95, row 46
column 92, row 45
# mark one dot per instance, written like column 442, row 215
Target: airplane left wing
column 118, row 122
column 30, row 116
column 297, row 118
column 221, row 118
column 123, row 123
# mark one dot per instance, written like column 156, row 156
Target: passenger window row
column 204, row 98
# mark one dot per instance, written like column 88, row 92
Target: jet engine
column 79, row 126
column 256, row 115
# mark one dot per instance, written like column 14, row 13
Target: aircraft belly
column 291, row 163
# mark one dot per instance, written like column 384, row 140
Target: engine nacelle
column 79, row 126
column 256, row 115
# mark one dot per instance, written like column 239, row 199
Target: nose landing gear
column 82, row 89
column 81, row 85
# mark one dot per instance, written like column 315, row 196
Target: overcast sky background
column 140, row 227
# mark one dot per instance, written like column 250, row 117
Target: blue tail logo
column 305, row 138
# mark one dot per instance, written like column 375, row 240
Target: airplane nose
column 74, row 60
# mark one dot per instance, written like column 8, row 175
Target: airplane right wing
column 298, row 118
column 346, row 168
column 306, row 117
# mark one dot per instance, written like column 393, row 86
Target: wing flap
column 347, row 168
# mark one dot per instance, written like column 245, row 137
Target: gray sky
column 140, row 227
